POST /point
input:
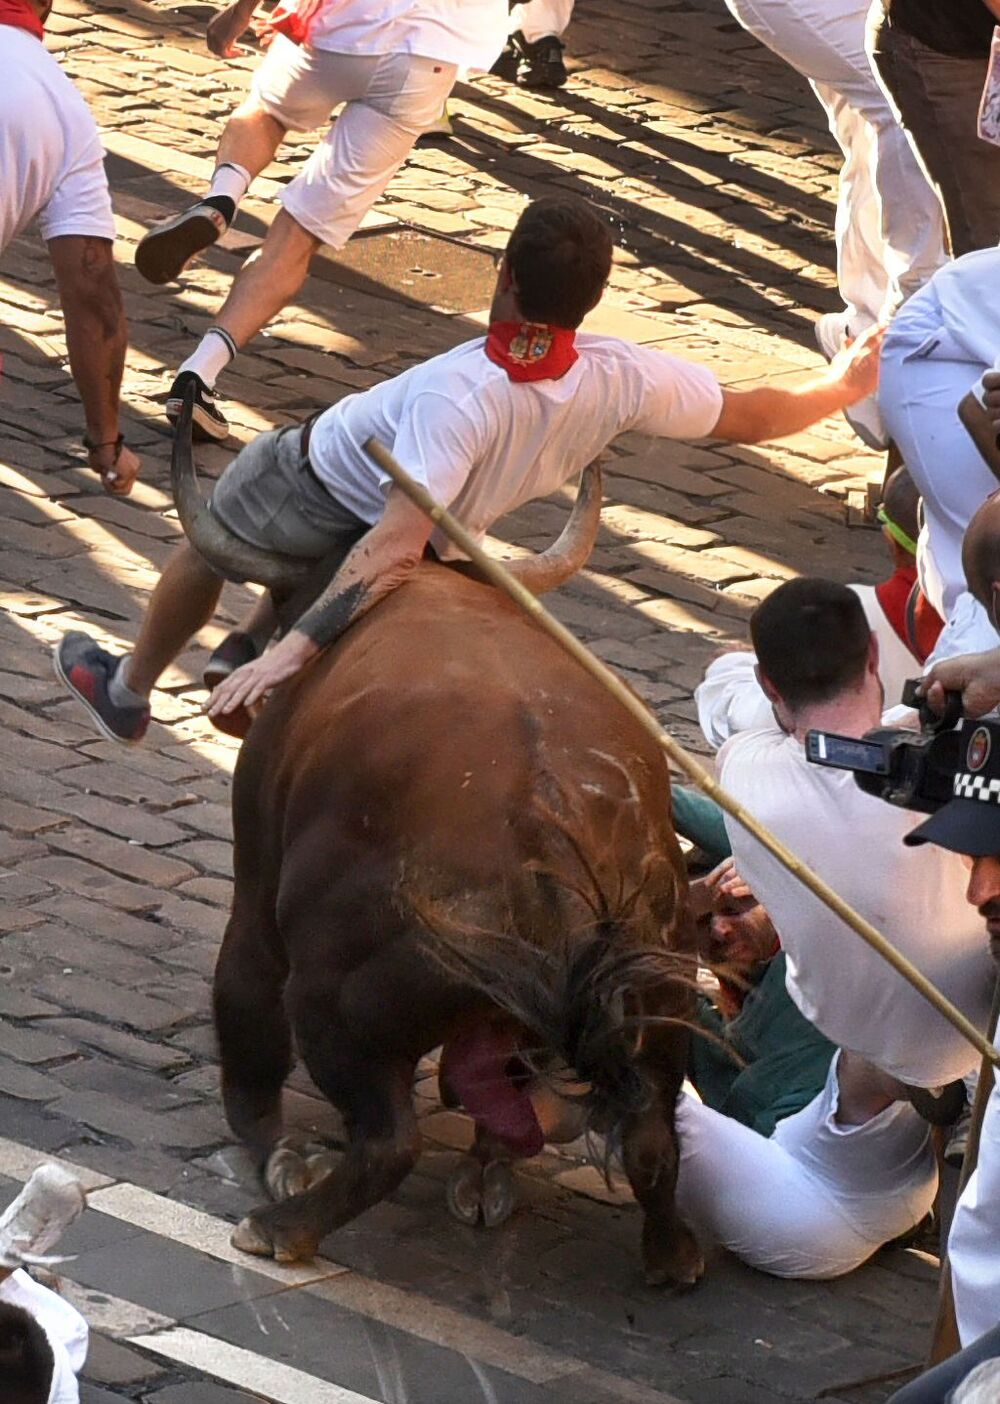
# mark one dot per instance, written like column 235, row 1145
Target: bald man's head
column 981, row 552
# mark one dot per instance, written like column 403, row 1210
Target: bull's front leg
column 383, row 1149
column 670, row 1252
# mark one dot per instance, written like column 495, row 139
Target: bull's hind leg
column 670, row 1252
column 255, row 1042
column 377, row 1104
column 481, row 1188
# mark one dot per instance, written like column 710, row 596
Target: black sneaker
column 86, row 669
column 539, row 65
column 208, row 421
column 506, row 65
column 235, row 649
column 163, row 253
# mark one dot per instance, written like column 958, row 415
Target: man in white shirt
column 392, row 64
column 52, row 175
column 485, row 427
column 853, row 1169
column 937, row 349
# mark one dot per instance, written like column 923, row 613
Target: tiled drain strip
column 396, row 1308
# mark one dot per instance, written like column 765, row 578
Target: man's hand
column 229, row 25
column 254, row 681
column 856, row 366
column 118, row 468
column 975, row 675
column 991, row 385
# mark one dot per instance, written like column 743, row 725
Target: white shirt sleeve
column 730, row 699
column 437, row 443
column 680, row 399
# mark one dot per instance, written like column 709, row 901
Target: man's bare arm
column 97, row 338
column 381, row 561
column 229, row 25
column 769, row 412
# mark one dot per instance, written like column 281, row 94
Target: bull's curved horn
column 569, row 552
column 225, row 553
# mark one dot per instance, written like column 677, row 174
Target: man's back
column 485, row 444
column 914, row 896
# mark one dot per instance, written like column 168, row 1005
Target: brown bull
column 447, row 834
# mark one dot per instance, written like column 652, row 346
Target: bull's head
column 286, row 575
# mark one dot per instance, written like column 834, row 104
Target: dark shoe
column 86, row 669
column 208, row 421
column 163, row 253
column 234, row 650
column 539, row 65
column 941, row 1106
column 506, row 65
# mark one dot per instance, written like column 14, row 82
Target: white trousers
column 538, row 18
column 389, row 99
column 814, row 1200
column 889, row 225
column 924, row 374
column 974, row 1241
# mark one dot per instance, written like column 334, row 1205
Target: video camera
column 912, row 769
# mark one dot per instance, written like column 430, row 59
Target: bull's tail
column 591, row 1001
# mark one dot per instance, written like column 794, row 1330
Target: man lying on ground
column 855, row 1168
column 52, row 166
column 494, row 423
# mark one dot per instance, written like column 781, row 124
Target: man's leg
column 937, row 99
column 115, row 689
column 535, row 49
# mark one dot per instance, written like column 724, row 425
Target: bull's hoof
column 256, row 1235
column 499, row 1194
column 479, row 1194
column 295, row 1166
column 677, row 1262
column 464, row 1191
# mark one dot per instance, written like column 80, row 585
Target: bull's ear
column 570, row 551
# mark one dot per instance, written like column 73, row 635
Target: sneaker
column 208, row 421
column 235, row 649
column 832, row 333
column 941, row 1106
column 33, row 1224
column 958, row 1141
column 539, row 65
column 86, row 669
column 163, row 253
column 506, row 65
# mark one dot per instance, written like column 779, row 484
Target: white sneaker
column 832, row 333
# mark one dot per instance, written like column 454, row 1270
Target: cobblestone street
column 115, row 877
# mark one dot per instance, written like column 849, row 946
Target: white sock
column 118, row 689
column 230, row 179
column 211, row 356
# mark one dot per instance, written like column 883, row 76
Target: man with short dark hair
column 817, row 661
column 489, row 425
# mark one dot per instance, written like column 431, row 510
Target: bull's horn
column 569, row 552
column 225, row 553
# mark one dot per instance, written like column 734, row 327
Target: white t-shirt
column 64, row 1328
column 914, row 896
column 482, row 444
column 960, row 310
column 468, row 33
column 51, row 158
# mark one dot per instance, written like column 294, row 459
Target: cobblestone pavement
column 116, row 865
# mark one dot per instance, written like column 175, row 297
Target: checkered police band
column 979, row 779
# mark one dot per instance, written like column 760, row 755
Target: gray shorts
column 269, row 497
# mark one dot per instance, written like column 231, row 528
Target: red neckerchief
column 19, row 15
column 892, row 595
column 531, row 350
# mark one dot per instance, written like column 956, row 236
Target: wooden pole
column 496, row 572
